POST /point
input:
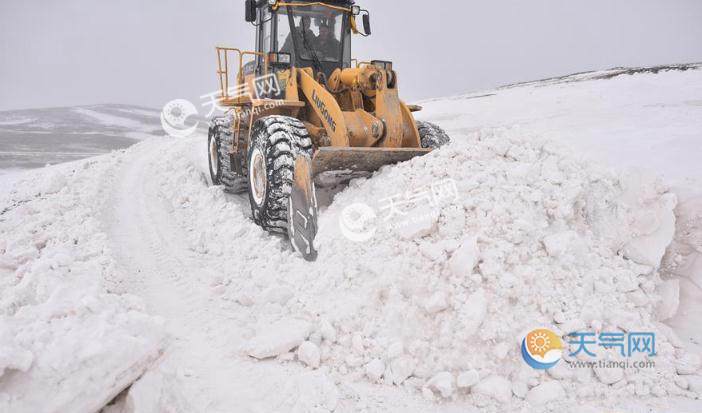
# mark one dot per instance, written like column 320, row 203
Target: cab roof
column 330, row 2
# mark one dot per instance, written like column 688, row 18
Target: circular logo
column 174, row 115
column 542, row 348
column 356, row 222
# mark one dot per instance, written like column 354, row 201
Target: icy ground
column 109, row 263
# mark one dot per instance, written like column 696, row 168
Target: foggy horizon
column 80, row 53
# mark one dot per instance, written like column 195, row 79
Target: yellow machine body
column 356, row 119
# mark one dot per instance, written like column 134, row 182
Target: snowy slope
column 651, row 120
column 425, row 315
column 34, row 137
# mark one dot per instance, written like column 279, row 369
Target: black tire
column 431, row 135
column 276, row 141
column 219, row 140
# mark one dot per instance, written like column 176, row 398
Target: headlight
column 382, row 64
column 280, row 59
column 272, row 2
column 355, row 10
column 284, row 58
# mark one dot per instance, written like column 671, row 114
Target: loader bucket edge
column 360, row 159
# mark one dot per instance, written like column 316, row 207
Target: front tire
column 276, row 142
column 431, row 135
column 219, row 140
column 213, row 147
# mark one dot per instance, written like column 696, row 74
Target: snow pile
column 66, row 343
column 533, row 238
column 684, row 258
column 649, row 119
column 437, row 296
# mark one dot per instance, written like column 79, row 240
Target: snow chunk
column 15, row 359
column 473, row 312
column 670, row 299
column 443, row 383
column 436, row 303
column 467, row 379
column 327, row 330
column 402, row 368
column 279, row 338
column 657, row 229
column 520, row 389
column 545, row 392
column 309, row 354
column 421, row 222
column 375, row 370
column 465, row 258
column 496, row 387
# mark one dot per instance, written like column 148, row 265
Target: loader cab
column 315, row 35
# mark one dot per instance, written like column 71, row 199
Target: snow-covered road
column 128, row 248
column 203, row 368
column 174, row 282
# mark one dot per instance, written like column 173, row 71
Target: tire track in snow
column 202, row 370
column 157, row 265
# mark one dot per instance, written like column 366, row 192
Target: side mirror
column 366, row 24
column 250, row 12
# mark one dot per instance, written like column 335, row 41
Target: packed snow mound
column 643, row 119
column 430, row 273
column 66, row 342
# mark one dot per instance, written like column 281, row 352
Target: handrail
column 223, row 67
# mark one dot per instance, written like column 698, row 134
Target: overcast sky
column 147, row 52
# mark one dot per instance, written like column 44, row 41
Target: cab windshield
column 311, row 32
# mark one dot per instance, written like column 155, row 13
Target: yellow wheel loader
column 299, row 106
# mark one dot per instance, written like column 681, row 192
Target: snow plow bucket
column 329, row 158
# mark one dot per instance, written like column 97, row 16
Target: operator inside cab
column 327, row 43
column 303, row 33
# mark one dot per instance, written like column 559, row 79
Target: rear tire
column 219, row 140
column 276, row 141
column 431, row 135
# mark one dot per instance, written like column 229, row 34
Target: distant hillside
column 34, row 137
